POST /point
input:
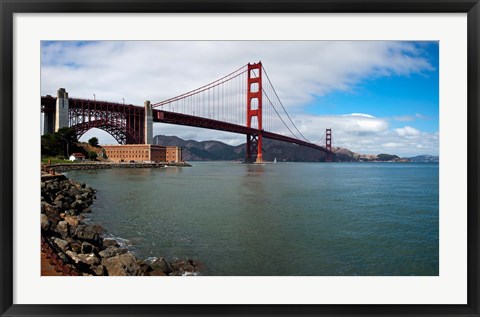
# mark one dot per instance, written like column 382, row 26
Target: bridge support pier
column 254, row 110
column 61, row 110
column 328, row 145
column 48, row 122
column 148, row 128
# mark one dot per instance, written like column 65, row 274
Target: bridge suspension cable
column 284, row 110
column 226, row 99
column 222, row 99
column 321, row 141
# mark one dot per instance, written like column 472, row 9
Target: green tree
column 60, row 143
column 67, row 137
column 93, row 141
column 92, row 155
column 386, row 157
column 104, row 154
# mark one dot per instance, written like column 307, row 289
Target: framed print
column 334, row 173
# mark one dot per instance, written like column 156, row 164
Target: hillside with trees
column 61, row 144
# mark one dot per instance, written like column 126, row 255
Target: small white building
column 77, row 157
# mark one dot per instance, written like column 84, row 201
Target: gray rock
column 108, row 242
column 87, row 247
column 161, row 264
column 88, row 259
column 90, row 233
column 75, row 245
column 87, row 210
column 98, row 270
column 112, row 251
column 78, row 205
column 182, row 266
column 62, row 228
column 45, row 222
column 157, row 272
column 122, row 265
column 72, row 192
column 58, row 204
column 62, row 244
column 63, row 257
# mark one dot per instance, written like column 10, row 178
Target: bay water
column 296, row 219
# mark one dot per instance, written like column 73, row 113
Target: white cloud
column 392, row 145
column 403, row 118
column 361, row 115
column 361, row 134
column 407, row 131
column 300, row 71
column 155, row 71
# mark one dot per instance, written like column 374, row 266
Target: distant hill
column 203, row 150
column 282, row 151
column 425, row 159
column 215, row 150
column 345, row 155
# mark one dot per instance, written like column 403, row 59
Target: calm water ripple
column 277, row 219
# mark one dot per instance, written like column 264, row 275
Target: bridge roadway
column 48, row 105
column 193, row 121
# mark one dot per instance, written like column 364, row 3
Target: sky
column 376, row 96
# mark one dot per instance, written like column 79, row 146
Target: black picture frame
column 10, row 7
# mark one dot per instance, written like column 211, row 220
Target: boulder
column 72, row 221
column 157, row 272
column 145, row 268
column 122, row 265
column 88, row 259
column 72, row 192
column 161, row 264
column 87, row 210
column 51, row 212
column 182, row 266
column 78, row 186
column 87, row 247
column 63, row 257
column 62, row 244
column 45, row 222
column 98, row 270
column 89, row 233
column 112, row 251
column 195, row 263
column 109, row 242
column 78, row 206
column 75, row 245
column 62, row 228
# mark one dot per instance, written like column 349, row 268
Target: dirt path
column 47, row 268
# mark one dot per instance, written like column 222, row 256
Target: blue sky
column 377, row 96
column 412, row 98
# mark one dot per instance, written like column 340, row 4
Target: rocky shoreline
column 79, row 248
column 59, row 168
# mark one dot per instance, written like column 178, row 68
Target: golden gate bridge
column 244, row 101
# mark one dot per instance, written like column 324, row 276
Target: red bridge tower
column 254, row 109
column 328, row 144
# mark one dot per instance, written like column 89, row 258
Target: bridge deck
column 48, row 104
